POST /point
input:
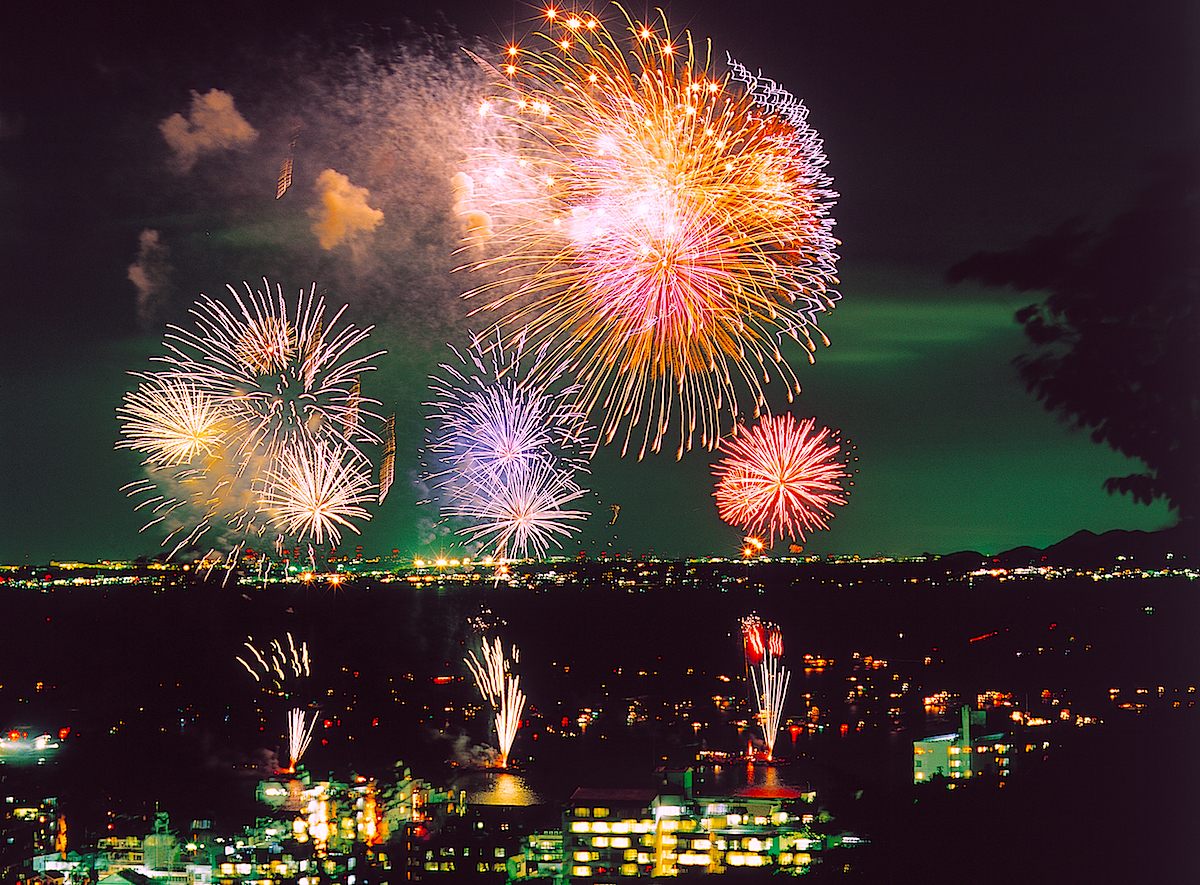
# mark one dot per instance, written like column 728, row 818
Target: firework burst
column 668, row 226
column 315, row 489
column 502, row 689
column 171, row 421
column 257, row 422
column 780, row 478
column 523, row 513
column 509, row 450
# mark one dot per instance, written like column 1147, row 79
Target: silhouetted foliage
column 1117, row 337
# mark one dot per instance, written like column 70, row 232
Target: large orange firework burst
column 669, row 225
column 780, row 478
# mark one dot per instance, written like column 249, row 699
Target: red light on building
column 64, row 733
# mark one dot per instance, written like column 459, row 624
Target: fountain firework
column 502, row 690
column 300, row 729
column 763, row 646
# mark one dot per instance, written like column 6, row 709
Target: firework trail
column 277, row 664
column 300, row 729
column 387, row 468
column 762, row 644
column 285, row 168
column 502, row 690
column 256, row 421
column 780, row 478
column 663, row 226
column 509, row 449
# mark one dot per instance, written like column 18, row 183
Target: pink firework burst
column 780, row 478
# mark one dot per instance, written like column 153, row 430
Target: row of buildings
column 367, row 833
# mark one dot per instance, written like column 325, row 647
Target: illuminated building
column 609, row 831
column 670, row 832
column 483, row 842
column 28, row 827
column 541, row 856
column 959, row 755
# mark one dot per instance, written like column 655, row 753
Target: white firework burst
column 520, row 514
column 316, row 488
column 171, row 421
column 258, row 419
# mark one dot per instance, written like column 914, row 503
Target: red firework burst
column 780, row 478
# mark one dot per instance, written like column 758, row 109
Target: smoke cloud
column 150, row 273
column 343, row 213
column 476, row 223
column 213, row 124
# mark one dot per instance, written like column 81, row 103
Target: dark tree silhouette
column 1117, row 337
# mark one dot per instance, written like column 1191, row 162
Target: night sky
column 951, row 128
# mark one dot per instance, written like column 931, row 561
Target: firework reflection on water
column 493, row 787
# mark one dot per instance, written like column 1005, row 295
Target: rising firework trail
column 762, row 644
column 660, row 226
column 501, row 688
column 256, row 423
column 780, row 478
column 300, row 729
